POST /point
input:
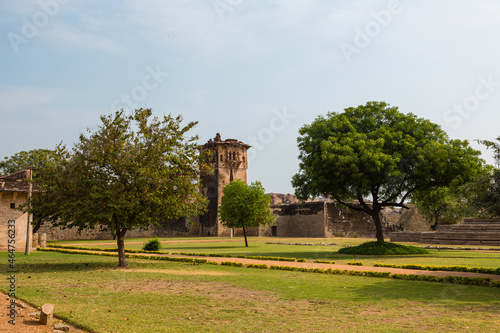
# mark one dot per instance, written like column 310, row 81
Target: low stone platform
column 471, row 232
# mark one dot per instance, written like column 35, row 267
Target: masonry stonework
column 13, row 193
column 228, row 160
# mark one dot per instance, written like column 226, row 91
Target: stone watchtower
column 228, row 160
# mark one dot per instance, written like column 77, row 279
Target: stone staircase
column 471, row 232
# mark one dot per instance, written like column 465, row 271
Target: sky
column 255, row 70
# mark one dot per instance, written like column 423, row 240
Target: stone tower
column 228, row 160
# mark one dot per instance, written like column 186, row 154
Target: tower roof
column 228, row 142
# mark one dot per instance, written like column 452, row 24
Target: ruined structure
column 228, row 160
column 472, row 232
column 14, row 192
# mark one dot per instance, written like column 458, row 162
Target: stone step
column 471, row 227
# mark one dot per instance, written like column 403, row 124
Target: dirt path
column 26, row 319
column 332, row 266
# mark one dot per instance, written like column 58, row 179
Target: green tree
column 245, row 206
column 487, row 187
column 445, row 205
column 134, row 170
column 36, row 158
column 375, row 151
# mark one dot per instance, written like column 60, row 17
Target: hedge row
column 230, row 263
column 456, row 268
column 355, row 263
column 133, row 256
column 177, row 253
column 319, row 261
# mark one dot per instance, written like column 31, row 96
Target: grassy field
column 152, row 296
column 258, row 246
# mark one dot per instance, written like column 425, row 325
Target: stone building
column 228, row 160
column 14, row 192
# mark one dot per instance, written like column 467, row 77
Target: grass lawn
column 157, row 296
column 258, row 246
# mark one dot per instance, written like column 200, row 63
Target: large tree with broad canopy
column 132, row 171
column 374, row 151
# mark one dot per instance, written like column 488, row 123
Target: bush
column 355, row 263
column 383, row 248
column 152, row 245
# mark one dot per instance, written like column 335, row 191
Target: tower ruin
column 228, row 160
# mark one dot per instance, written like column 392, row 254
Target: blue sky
column 254, row 70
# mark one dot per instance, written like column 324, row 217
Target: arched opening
column 221, row 157
column 234, row 156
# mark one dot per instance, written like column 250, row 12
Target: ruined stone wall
column 344, row 222
column 299, row 220
column 7, row 213
column 179, row 228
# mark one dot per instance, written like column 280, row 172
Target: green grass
column 152, row 296
column 258, row 247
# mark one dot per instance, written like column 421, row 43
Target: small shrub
column 355, row 235
column 355, row 263
column 301, row 260
column 152, row 245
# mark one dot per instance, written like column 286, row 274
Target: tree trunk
column 245, row 234
column 378, row 225
column 120, row 239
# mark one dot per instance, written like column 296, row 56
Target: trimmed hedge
column 261, row 266
column 456, row 268
column 230, row 263
column 319, row 261
column 355, row 263
column 383, row 248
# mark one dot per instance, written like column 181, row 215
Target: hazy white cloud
column 13, row 99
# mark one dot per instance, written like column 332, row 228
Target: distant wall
column 179, row 228
column 299, row 220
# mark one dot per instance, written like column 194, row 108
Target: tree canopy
column 36, row 158
column 245, row 206
column 374, row 151
column 132, row 171
column 487, row 187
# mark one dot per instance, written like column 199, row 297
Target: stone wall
column 179, row 228
column 298, row 220
column 344, row 222
column 7, row 213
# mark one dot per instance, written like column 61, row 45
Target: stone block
column 47, row 314
column 61, row 327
